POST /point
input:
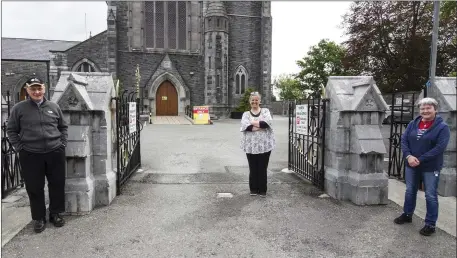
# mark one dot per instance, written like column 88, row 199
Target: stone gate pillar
column 354, row 147
column 85, row 100
column 445, row 94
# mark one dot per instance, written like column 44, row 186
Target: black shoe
column 57, row 220
column 39, row 226
column 427, row 230
column 403, row 219
column 263, row 195
column 253, row 193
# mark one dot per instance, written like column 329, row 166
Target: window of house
column 85, row 67
column 241, row 80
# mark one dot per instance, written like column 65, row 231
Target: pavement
column 192, row 200
column 166, row 120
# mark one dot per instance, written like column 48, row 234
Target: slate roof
column 98, row 87
column 350, row 91
column 32, row 49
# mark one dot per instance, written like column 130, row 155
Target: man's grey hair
column 255, row 93
column 428, row 101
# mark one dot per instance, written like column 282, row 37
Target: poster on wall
column 132, row 117
column 201, row 115
column 301, row 119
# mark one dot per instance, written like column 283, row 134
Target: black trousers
column 35, row 167
column 258, row 164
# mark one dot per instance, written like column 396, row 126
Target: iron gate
column 402, row 111
column 11, row 168
column 128, row 128
column 306, row 143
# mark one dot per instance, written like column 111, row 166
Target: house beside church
column 187, row 52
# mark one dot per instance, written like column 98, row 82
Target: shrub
column 244, row 102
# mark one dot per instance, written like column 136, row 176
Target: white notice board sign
column 301, row 119
column 132, row 117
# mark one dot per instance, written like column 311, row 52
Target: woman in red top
column 423, row 145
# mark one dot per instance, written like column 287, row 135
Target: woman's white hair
column 428, row 101
column 255, row 93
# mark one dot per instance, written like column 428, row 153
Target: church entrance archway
column 166, row 100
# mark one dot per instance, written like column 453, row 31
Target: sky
column 297, row 25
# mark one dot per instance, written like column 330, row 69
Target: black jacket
column 37, row 129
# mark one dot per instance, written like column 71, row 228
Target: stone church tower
column 216, row 57
column 188, row 52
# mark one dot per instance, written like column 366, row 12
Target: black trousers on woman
column 258, row 164
column 37, row 166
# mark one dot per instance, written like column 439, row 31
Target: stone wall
column 16, row 72
column 94, row 49
column 244, row 46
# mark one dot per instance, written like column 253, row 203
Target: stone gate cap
column 34, row 82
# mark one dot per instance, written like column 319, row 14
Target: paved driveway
column 172, row 209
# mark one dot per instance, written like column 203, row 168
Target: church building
column 187, row 53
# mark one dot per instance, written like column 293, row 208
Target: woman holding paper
column 257, row 142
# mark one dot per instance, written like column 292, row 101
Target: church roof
column 32, row 49
column 215, row 8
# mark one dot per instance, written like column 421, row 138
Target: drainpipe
column 48, row 67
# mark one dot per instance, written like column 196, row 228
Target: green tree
column 391, row 41
column 323, row 60
column 288, row 86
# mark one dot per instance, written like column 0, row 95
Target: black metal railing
column 306, row 148
column 189, row 111
column 402, row 111
column 11, row 168
column 127, row 137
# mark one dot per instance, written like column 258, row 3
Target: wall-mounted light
column 265, row 72
column 191, row 73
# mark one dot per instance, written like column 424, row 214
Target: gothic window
column 85, row 67
column 160, row 17
column 241, row 80
column 149, row 20
column 171, row 24
column 182, row 6
column 166, row 24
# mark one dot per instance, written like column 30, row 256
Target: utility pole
column 436, row 21
column 85, row 24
